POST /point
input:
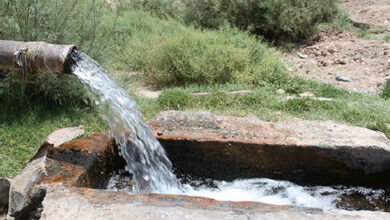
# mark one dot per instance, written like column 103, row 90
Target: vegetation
column 180, row 46
column 274, row 19
column 386, row 91
column 346, row 107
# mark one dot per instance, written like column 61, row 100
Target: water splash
column 145, row 157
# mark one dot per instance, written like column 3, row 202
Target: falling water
column 145, row 157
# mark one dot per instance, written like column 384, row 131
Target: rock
column 324, row 63
column 86, row 162
column 233, row 93
column 240, row 92
column 88, row 204
column 340, row 62
column 388, row 83
column 302, row 55
column 149, row 92
column 332, row 50
column 343, row 79
column 280, row 91
column 308, row 97
column 64, row 135
column 21, row 194
column 4, row 195
column 306, row 94
column 322, row 99
column 207, row 145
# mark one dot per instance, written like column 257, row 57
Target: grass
column 354, row 109
column 22, row 135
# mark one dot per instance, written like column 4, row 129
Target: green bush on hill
column 288, row 20
column 204, row 57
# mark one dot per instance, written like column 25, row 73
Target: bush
column 189, row 56
column 161, row 8
column 41, row 89
column 386, row 91
column 55, row 21
column 193, row 58
column 290, row 20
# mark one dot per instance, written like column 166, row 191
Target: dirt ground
column 373, row 12
column 363, row 65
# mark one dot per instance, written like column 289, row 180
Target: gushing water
column 145, row 157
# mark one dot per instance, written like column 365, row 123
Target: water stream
column 145, row 157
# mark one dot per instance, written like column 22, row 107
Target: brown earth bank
column 373, row 12
column 345, row 60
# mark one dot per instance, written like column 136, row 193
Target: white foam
column 266, row 191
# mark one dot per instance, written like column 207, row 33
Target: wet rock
column 89, row 204
column 300, row 151
column 64, row 135
column 4, row 195
column 87, row 162
column 343, row 79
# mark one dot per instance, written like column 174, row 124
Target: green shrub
column 160, row 8
column 290, row 20
column 56, row 21
column 190, row 56
column 387, row 38
column 193, row 58
column 41, row 89
column 204, row 13
column 386, row 92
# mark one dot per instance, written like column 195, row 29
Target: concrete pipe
column 34, row 57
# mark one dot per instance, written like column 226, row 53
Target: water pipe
column 35, row 57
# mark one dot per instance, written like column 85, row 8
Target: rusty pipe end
column 49, row 58
column 35, row 57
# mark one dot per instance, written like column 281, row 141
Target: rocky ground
column 373, row 12
column 345, row 60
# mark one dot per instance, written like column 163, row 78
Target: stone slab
column 316, row 152
column 64, row 135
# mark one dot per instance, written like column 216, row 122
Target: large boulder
column 315, row 152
